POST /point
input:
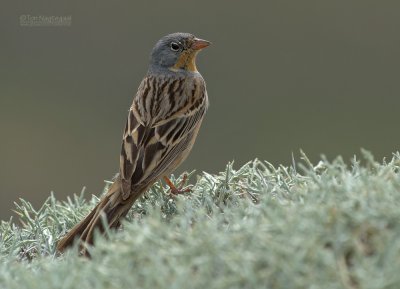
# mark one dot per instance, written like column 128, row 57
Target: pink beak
column 199, row 44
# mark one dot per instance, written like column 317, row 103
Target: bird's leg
column 177, row 190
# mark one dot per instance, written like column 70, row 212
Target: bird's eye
column 175, row 46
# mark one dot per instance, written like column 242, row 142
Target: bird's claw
column 180, row 189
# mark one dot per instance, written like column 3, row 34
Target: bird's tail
column 107, row 212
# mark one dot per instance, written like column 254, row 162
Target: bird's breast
column 162, row 96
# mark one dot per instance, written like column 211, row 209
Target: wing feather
column 150, row 149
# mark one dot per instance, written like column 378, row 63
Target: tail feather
column 75, row 232
column 111, row 206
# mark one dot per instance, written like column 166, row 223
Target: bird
column 161, row 128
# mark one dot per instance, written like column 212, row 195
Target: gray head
column 176, row 52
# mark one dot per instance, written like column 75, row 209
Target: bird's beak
column 199, row 44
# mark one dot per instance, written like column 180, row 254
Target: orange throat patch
column 186, row 61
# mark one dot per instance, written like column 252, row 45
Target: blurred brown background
column 282, row 75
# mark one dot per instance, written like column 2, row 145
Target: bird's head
column 177, row 52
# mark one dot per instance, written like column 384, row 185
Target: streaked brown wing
column 149, row 151
column 171, row 144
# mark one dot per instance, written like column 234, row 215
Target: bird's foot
column 180, row 189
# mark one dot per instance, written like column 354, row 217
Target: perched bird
column 161, row 128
